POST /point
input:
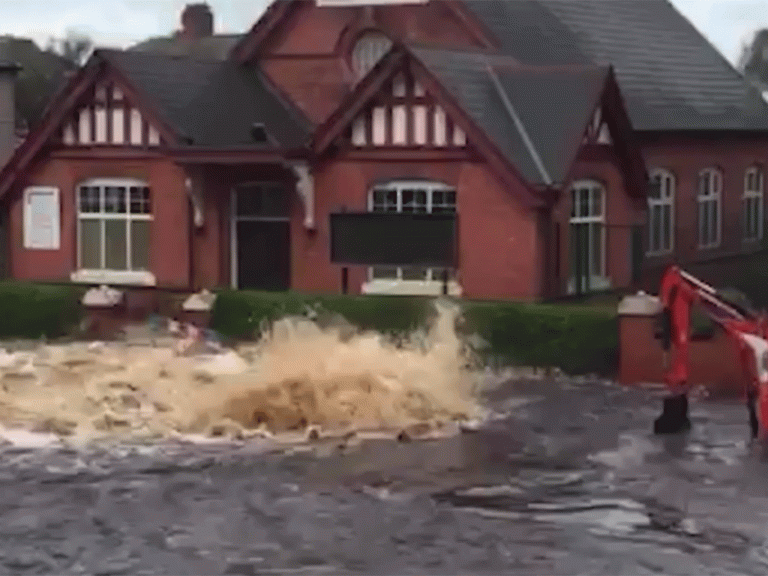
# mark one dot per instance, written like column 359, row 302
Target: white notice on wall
column 41, row 218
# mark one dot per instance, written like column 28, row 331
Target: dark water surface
column 571, row 482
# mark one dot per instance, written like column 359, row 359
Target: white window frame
column 712, row 194
column 431, row 286
column 29, row 243
column 666, row 199
column 601, row 280
column 369, row 48
column 107, row 276
column 754, row 186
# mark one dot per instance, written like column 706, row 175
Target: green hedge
column 35, row 310
column 577, row 339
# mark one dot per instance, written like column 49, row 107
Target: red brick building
column 537, row 121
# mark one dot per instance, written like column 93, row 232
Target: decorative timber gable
column 404, row 115
column 107, row 116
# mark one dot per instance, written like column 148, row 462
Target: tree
column 75, row 47
column 753, row 62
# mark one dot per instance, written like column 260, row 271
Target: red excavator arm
column 678, row 293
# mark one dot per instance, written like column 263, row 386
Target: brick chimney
column 8, row 72
column 196, row 21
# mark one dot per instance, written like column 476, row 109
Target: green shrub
column 35, row 310
column 577, row 339
column 241, row 314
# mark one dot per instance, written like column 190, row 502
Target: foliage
column 577, row 339
column 42, row 74
column 35, row 310
column 241, row 314
column 753, row 61
column 74, row 47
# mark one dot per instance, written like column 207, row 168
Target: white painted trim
column 670, row 201
column 597, row 281
column 754, row 194
column 55, row 225
column 713, row 195
column 126, row 277
column 234, row 219
column 410, row 287
column 414, row 287
column 127, row 217
column 233, row 238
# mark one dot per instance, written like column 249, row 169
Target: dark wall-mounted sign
column 394, row 239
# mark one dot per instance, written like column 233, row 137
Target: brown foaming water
column 299, row 375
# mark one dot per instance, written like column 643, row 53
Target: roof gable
column 538, row 116
column 163, row 101
column 109, row 114
column 357, row 118
column 671, row 76
column 402, row 114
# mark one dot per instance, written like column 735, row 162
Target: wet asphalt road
column 571, row 482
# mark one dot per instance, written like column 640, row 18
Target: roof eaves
column 509, row 107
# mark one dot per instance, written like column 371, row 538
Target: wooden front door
column 261, row 243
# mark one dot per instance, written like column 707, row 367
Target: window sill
column 659, row 254
column 411, row 288
column 114, row 277
column 596, row 284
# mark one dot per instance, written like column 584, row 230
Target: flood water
column 566, row 480
column 282, row 459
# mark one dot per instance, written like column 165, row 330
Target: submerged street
column 569, row 480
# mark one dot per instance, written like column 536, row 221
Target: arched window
column 710, row 193
column 411, row 196
column 661, row 212
column 113, row 218
column 368, row 50
column 753, row 204
column 587, row 237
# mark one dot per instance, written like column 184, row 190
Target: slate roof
column 216, row 47
column 537, row 116
column 7, row 65
column 213, row 103
column 672, row 78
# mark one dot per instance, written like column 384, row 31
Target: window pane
column 384, row 273
column 597, row 202
column 654, row 188
column 140, row 244
column 596, row 249
column 114, row 200
column 90, row 244
column 414, row 200
column 666, row 227
column 574, row 203
column 437, row 274
column 443, row 202
column 384, row 200
column 655, row 221
column 89, row 199
column 115, row 244
column 140, row 200
column 414, row 274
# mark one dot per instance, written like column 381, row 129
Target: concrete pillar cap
column 103, row 296
column 200, row 302
column 640, row 304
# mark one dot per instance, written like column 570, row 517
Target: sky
column 728, row 24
